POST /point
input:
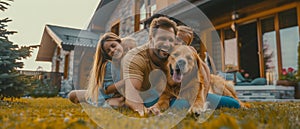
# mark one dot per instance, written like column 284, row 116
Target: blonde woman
column 104, row 80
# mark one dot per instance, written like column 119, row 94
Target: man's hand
column 133, row 99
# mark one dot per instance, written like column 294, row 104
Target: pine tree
column 12, row 84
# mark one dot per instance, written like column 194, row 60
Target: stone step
column 270, row 100
column 265, row 92
column 257, row 97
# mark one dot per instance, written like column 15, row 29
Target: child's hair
column 98, row 70
column 185, row 33
column 128, row 44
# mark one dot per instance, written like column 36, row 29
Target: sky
column 30, row 17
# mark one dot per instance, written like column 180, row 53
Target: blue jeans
column 215, row 102
column 218, row 101
column 151, row 97
column 174, row 103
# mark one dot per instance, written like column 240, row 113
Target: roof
column 102, row 15
column 77, row 37
column 65, row 38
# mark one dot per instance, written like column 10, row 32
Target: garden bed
column 60, row 113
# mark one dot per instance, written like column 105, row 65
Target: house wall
column 71, row 64
column 82, row 64
column 161, row 4
column 123, row 14
column 62, row 59
column 54, row 60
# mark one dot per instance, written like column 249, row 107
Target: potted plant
column 288, row 77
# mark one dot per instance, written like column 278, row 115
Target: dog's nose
column 181, row 63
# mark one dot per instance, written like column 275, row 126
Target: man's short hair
column 161, row 22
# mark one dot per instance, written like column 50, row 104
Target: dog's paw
column 155, row 110
column 198, row 108
column 245, row 105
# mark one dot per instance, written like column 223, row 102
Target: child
column 128, row 44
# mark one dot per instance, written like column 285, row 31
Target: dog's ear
column 200, row 71
column 203, row 71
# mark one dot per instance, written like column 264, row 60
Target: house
column 69, row 50
column 257, row 36
column 242, row 34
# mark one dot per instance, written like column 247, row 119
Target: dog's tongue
column 177, row 76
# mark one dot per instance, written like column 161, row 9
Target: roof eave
column 48, row 43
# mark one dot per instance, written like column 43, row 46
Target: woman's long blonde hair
column 98, row 70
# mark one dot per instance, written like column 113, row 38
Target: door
column 248, row 49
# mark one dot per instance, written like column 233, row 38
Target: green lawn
column 58, row 113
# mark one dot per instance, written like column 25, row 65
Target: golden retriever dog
column 220, row 86
column 187, row 78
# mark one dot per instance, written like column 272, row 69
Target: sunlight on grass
column 59, row 113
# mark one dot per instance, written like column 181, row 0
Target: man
column 139, row 62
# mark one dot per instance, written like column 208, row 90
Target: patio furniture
column 240, row 80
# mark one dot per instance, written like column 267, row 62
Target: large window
column 144, row 9
column 230, row 49
column 263, row 42
column 216, row 50
column 269, row 46
column 289, row 38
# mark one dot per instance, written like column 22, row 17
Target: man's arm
column 133, row 99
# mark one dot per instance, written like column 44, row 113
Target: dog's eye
column 175, row 54
column 189, row 57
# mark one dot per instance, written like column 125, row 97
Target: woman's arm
column 114, row 87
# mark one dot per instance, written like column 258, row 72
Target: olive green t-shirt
column 138, row 65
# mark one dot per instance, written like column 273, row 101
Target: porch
column 265, row 93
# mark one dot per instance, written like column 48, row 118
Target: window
column 289, row 37
column 269, row 45
column 116, row 28
column 144, row 9
column 230, row 49
column 216, row 50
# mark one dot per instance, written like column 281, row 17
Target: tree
column 12, row 84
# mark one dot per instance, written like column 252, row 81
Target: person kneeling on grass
column 102, row 90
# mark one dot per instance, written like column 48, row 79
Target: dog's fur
column 195, row 84
column 193, row 80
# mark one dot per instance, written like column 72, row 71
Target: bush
column 44, row 90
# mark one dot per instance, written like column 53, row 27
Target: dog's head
column 183, row 60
